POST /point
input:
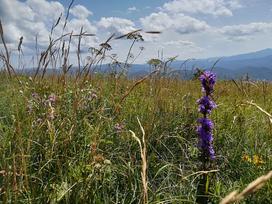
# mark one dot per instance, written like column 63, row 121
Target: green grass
column 79, row 157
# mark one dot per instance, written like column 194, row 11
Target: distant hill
column 256, row 65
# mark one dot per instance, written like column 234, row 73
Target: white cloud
column 15, row 10
column 133, row 8
column 156, row 21
column 246, row 29
column 212, row 7
column 234, row 4
column 81, row 12
column 184, row 43
column 36, row 17
column 240, row 38
column 19, row 19
column 116, row 25
column 178, row 22
column 179, row 45
column 76, row 24
column 46, row 11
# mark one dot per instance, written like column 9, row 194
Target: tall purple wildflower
column 206, row 104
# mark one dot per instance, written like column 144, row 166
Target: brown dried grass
column 235, row 196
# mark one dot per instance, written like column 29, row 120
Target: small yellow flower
column 246, row 158
column 257, row 160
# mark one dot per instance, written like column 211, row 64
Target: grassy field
column 71, row 142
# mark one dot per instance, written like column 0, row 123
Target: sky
column 190, row 28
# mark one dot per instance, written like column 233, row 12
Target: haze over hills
column 257, row 65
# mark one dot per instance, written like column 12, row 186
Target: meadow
column 94, row 138
column 70, row 143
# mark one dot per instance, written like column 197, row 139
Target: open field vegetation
column 94, row 138
column 71, row 142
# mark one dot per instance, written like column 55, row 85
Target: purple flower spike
column 208, row 80
column 206, row 105
column 206, row 124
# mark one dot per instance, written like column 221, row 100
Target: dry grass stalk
column 262, row 110
column 144, row 161
column 6, row 57
column 68, row 13
column 199, row 173
column 78, row 51
column 251, row 188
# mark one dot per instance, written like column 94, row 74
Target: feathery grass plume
column 204, row 130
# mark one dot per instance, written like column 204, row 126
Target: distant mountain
column 253, row 55
column 256, row 65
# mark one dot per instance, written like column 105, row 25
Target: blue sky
column 190, row 28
